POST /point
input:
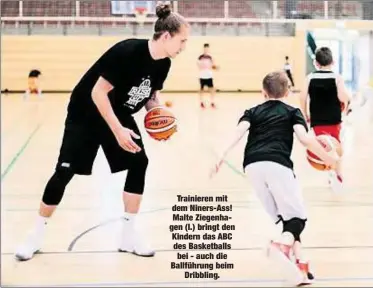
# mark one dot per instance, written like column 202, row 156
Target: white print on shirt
column 138, row 94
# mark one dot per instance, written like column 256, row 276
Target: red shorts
column 332, row 130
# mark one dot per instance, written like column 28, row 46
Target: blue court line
column 19, row 153
column 248, row 281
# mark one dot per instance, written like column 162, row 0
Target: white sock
column 41, row 223
column 129, row 216
column 128, row 226
column 129, row 221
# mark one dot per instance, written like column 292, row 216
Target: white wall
column 363, row 49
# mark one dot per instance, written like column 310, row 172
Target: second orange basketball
column 160, row 123
column 330, row 144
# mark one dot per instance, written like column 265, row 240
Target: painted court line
column 19, row 153
column 75, row 240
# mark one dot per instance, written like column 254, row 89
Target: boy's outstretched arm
column 239, row 132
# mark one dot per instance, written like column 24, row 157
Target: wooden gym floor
column 80, row 247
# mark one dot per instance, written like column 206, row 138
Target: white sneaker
column 31, row 246
column 34, row 241
column 308, row 277
column 280, row 254
column 132, row 242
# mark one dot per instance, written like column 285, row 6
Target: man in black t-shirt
column 267, row 162
column 123, row 80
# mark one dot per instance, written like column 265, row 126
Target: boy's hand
column 215, row 169
column 333, row 162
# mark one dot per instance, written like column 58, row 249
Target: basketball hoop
column 141, row 14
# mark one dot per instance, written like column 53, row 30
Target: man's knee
column 55, row 187
column 135, row 181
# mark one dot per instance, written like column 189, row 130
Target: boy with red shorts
column 328, row 98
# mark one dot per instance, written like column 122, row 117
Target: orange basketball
column 160, row 123
column 168, row 103
column 330, row 144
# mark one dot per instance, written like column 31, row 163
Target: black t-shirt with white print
column 271, row 132
column 135, row 75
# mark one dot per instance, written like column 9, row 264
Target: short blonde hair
column 276, row 84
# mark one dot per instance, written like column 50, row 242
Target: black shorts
column 81, row 142
column 206, row 82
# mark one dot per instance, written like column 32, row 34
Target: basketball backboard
column 132, row 7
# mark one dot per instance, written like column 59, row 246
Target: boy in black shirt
column 267, row 162
column 123, row 80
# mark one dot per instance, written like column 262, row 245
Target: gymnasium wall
column 63, row 59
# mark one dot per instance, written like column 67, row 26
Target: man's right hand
column 124, row 138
